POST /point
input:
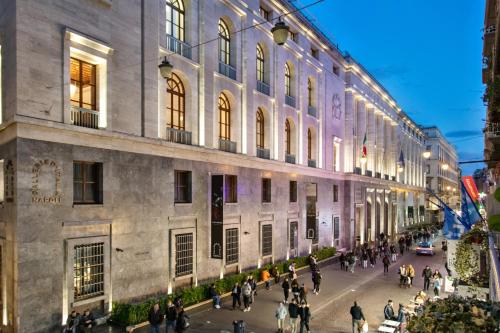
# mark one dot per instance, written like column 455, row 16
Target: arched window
column 260, row 129
column 224, row 43
column 309, row 144
column 176, row 102
column 309, row 92
column 288, row 79
column 175, row 19
column 288, row 137
column 224, row 117
column 260, row 64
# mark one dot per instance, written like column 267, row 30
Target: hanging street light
column 426, row 154
column 165, row 68
column 280, row 32
column 445, row 166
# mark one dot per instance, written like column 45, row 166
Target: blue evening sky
column 427, row 54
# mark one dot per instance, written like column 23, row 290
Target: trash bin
column 239, row 326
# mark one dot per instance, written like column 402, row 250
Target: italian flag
column 363, row 150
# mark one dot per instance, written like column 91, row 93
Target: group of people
column 400, row 317
column 174, row 316
column 80, row 323
column 406, row 275
column 295, row 310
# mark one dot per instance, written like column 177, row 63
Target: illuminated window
column 176, row 103
column 288, row 80
column 231, row 188
column 175, row 19
column 88, row 270
column 83, row 84
column 224, row 43
column 288, row 137
column 260, row 129
column 224, row 117
column 260, row 63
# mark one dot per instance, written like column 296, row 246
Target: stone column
column 360, row 129
column 371, row 137
column 349, row 154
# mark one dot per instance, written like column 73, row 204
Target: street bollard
column 239, row 326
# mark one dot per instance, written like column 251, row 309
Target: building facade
column 442, row 172
column 126, row 184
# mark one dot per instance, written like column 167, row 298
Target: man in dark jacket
column 357, row 316
column 171, row 316
column 293, row 311
column 386, row 261
column 316, row 279
column 87, row 321
column 305, row 315
column 426, row 274
column 389, row 311
column 236, row 294
column 155, row 318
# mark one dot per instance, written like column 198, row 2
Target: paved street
column 330, row 310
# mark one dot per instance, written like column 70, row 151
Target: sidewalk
column 337, row 288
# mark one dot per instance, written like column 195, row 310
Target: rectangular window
column 182, row 186
column 336, row 227
column 88, row 271
column 266, row 190
column 265, row 14
column 231, row 188
column 83, row 84
column 315, row 240
column 293, row 191
column 87, row 183
column 336, row 70
column 315, row 53
column 183, row 254
column 232, row 246
column 267, row 240
column 336, row 157
column 293, row 36
column 335, row 193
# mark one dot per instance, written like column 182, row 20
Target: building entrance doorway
column 294, row 239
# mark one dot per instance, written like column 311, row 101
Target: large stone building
column 119, row 184
column 442, row 172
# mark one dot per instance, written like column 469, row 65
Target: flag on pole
column 401, row 161
column 363, row 150
column 452, row 228
column 470, row 214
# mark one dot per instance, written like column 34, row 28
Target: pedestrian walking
column 436, row 285
column 386, row 261
column 155, row 318
column 411, row 273
column 342, row 261
column 401, row 245
column 246, row 290
column 236, row 295
column 292, row 272
column 364, row 258
column 357, row 317
column 170, row 316
column 303, row 293
column 372, row 257
column 313, row 262
column 293, row 311
column 352, row 262
column 281, row 313
column 181, row 324
column 316, row 281
column 393, row 252
column 266, row 277
column 87, row 321
column 402, row 275
column 401, row 319
column 286, row 289
column 212, row 291
column 408, row 242
column 275, row 274
column 444, row 248
column 305, row 315
column 427, row 274
column 253, row 284
column 389, row 311
column 295, row 290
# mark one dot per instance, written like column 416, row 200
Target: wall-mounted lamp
column 246, row 233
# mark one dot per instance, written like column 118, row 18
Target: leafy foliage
column 466, row 259
column 494, row 221
column 134, row 313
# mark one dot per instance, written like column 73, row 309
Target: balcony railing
column 263, row 153
column 311, row 110
column 290, row 158
column 357, row 171
column 492, row 129
column 263, row 88
column 378, row 175
column 226, row 145
column 227, row 70
column 84, row 117
column 178, row 136
column 290, row 100
column 311, row 163
column 368, row 173
column 179, row 47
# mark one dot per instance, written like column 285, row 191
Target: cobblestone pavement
column 330, row 309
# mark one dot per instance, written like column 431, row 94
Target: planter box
column 480, row 293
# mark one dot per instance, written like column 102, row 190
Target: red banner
column 470, row 186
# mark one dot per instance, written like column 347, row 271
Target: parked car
column 425, row 248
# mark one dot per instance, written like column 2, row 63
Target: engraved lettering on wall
column 9, row 181
column 46, row 182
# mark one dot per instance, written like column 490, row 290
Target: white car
column 425, row 248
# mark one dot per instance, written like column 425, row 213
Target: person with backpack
column 170, row 316
column 246, row 290
column 286, row 289
column 155, row 318
column 281, row 313
column 305, row 316
column 236, row 295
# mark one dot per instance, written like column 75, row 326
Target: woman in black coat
column 181, row 325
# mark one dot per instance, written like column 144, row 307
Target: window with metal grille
column 293, row 191
column 232, row 246
column 183, row 254
column 88, row 270
column 266, row 189
column 267, row 240
column 182, row 186
column 87, row 183
column 335, row 193
column 336, row 227
column 83, row 84
column 231, row 188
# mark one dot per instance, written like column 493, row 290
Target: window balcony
column 179, row 47
column 368, row 173
column 311, row 163
column 378, row 175
column 227, row 70
column 84, row 117
column 263, row 153
column 290, row 100
column 289, row 158
column 178, row 136
column 393, row 178
column 226, row 145
column 386, row 177
column 357, row 171
column 311, row 110
column 263, row 88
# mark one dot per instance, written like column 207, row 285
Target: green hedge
column 130, row 314
column 494, row 222
column 497, row 194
